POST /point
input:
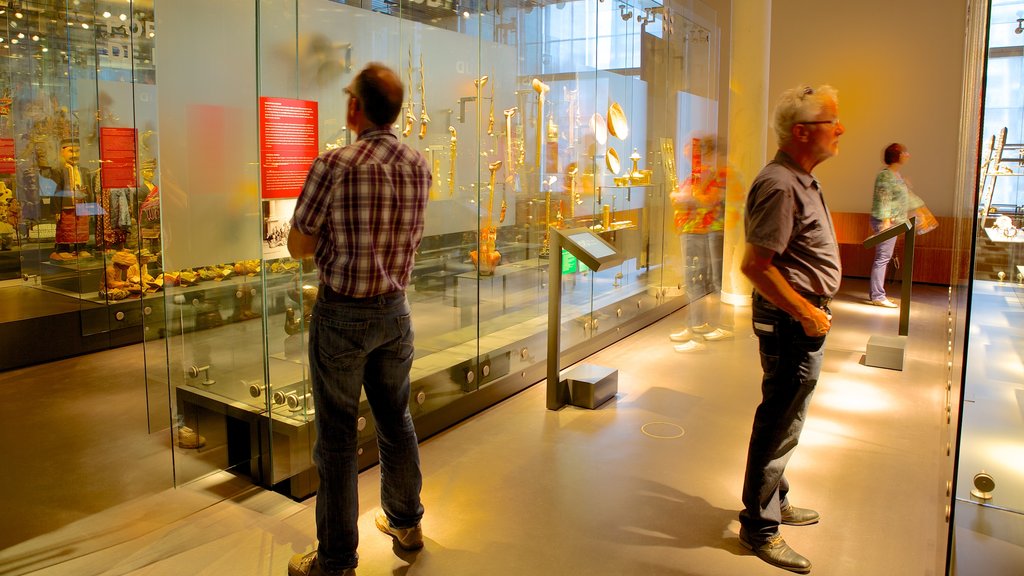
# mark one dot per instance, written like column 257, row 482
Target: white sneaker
column 683, row 335
column 691, row 346
column 703, row 328
column 885, row 303
column 717, row 334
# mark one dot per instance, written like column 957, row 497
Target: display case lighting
column 45, row 49
column 123, row 17
column 35, row 37
column 85, row 25
column 1020, row 26
column 21, row 35
column 106, row 14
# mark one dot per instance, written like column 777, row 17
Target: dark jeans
column 361, row 344
column 791, row 361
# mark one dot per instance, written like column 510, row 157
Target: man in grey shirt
column 792, row 259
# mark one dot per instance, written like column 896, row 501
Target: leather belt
column 817, row 300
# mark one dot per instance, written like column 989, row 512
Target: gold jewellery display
column 509, row 162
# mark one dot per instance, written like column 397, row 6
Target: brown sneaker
column 406, row 538
column 776, row 552
column 306, row 565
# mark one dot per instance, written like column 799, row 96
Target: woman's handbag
column 926, row 221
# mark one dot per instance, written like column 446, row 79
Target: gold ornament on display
column 487, row 257
column 510, row 165
column 599, row 127
column 571, row 97
column 424, row 117
column 454, row 145
column 574, row 197
column 611, row 160
column 617, row 124
column 490, row 115
column 410, row 115
column 541, row 89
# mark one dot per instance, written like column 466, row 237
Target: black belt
column 817, row 300
column 330, row 295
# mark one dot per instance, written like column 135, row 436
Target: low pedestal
column 590, row 385
column 886, row 351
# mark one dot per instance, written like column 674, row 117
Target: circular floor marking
column 665, row 430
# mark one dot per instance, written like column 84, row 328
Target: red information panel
column 288, row 145
column 6, row 155
column 117, row 158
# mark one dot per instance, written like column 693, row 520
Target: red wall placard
column 7, row 156
column 288, row 145
column 117, row 158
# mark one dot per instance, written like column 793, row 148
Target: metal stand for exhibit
column 888, row 351
column 585, row 385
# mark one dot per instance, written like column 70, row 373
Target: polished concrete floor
column 648, row 483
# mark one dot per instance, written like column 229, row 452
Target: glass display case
column 989, row 487
column 530, row 114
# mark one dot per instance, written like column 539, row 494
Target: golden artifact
column 617, row 124
column 115, row 284
column 424, row 118
column 509, row 163
column 611, row 159
column 541, row 89
column 599, row 127
column 410, row 116
column 454, row 144
column 504, row 208
column 490, row 115
column 571, row 96
column 574, row 197
column 668, row 163
column 606, row 216
column 488, row 257
column 552, row 145
column 306, row 297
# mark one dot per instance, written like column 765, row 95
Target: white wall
column 898, row 67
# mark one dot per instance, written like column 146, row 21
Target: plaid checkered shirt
column 366, row 202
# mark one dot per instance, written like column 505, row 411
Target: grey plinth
column 886, row 351
column 590, row 385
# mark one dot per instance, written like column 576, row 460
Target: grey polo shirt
column 786, row 214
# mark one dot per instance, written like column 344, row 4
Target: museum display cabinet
column 159, row 147
column 989, row 483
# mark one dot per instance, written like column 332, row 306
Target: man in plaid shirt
column 360, row 216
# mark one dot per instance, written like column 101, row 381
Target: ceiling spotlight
column 122, row 17
column 1020, row 26
column 624, row 12
column 106, row 14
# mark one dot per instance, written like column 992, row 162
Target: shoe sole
column 750, row 547
column 804, row 523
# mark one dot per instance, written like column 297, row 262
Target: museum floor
column 648, row 483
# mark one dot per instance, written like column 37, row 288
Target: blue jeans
column 358, row 344
column 883, row 254
column 791, row 361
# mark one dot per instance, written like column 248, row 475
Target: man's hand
column 768, row 281
column 816, row 322
column 300, row 245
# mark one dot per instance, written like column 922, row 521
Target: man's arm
column 758, row 268
column 300, row 245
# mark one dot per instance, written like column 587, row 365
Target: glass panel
column 216, row 287
column 989, row 467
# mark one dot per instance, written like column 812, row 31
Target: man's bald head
column 379, row 92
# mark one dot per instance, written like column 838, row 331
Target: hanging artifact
column 574, row 197
column 510, row 171
column 611, row 160
column 454, row 144
column 541, row 89
column 410, row 116
column 490, row 115
column 599, row 128
column 424, row 117
column 551, row 164
column 571, row 97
